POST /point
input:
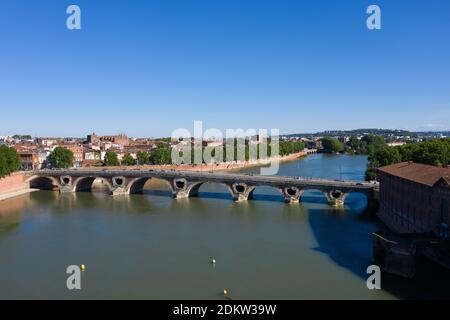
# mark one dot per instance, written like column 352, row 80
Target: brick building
column 120, row 139
column 29, row 160
column 415, row 198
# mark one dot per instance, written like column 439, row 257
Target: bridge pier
column 66, row 184
column 240, row 191
column 336, row 198
column 66, row 189
column 182, row 188
column 119, row 186
column 291, row 194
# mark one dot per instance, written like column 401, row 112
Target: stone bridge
column 187, row 183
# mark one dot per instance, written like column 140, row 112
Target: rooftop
column 417, row 172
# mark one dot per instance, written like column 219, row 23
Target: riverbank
column 8, row 195
column 228, row 166
column 13, row 185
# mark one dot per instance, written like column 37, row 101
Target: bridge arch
column 267, row 192
column 86, row 183
column 193, row 189
column 43, row 183
column 136, row 185
column 313, row 195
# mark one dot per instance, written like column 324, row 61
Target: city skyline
column 149, row 68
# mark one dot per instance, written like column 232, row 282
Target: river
column 151, row 246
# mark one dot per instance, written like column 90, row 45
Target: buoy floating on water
column 225, row 292
column 82, row 267
column 213, row 261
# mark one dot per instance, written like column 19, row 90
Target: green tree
column 22, row 136
column 434, row 152
column 386, row 155
column 354, row 143
column 372, row 143
column 9, row 160
column 111, row 158
column 407, row 150
column 142, row 157
column 161, row 155
column 332, row 145
column 382, row 156
column 128, row 160
column 61, row 158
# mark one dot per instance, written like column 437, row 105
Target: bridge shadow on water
column 345, row 236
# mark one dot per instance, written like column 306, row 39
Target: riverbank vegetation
column 432, row 152
column 332, row 145
column 162, row 154
column 9, row 160
column 366, row 145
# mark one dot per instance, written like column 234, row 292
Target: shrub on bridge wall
column 9, row 160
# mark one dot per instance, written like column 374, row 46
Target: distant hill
column 381, row 132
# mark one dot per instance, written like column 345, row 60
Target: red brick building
column 415, row 198
column 29, row 158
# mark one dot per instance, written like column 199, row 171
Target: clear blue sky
column 148, row 67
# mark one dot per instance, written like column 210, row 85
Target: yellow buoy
column 83, row 267
column 225, row 292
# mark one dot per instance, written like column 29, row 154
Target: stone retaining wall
column 13, row 182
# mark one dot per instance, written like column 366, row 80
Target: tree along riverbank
column 223, row 166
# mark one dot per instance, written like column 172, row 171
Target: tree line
column 433, row 151
column 366, row 145
column 162, row 154
column 63, row 158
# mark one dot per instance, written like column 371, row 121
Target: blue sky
column 148, row 67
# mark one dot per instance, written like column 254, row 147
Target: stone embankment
column 13, row 185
